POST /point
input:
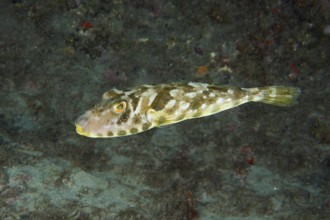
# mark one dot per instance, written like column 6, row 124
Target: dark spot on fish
column 111, row 94
column 198, row 114
column 135, row 101
column 170, row 111
column 210, row 100
column 168, row 88
column 161, row 99
column 134, row 130
column 187, row 88
column 161, row 120
column 196, row 102
column 219, row 88
column 110, row 133
column 239, row 93
column 146, row 126
column 121, row 132
column 187, row 99
column 99, row 135
column 124, row 117
column 211, row 87
column 137, row 119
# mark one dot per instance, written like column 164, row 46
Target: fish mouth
column 80, row 124
column 80, row 130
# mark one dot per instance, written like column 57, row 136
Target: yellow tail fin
column 279, row 95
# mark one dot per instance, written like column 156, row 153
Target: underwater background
column 256, row 161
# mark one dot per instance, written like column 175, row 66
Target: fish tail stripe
column 278, row 95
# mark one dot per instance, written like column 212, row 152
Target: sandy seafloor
column 257, row 161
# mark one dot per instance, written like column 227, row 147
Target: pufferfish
column 122, row 113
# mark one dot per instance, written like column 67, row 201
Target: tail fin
column 278, row 95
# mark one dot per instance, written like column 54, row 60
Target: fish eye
column 120, row 107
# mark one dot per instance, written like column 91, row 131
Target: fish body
column 122, row 113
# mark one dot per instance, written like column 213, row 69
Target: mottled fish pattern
column 122, row 113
